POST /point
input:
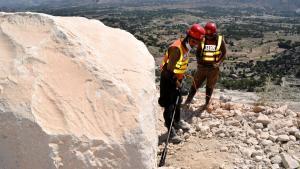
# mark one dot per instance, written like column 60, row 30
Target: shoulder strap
column 220, row 38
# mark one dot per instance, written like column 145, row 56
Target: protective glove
column 218, row 64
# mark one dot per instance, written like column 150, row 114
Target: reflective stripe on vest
column 212, row 56
column 182, row 63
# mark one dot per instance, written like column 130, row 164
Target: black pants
column 168, row 96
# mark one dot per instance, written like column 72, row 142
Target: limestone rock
column 268, row 111
column 204, row 130
column 219, row 131
column 258, row 109
column 290, row 113
column 283, row 138
column 297, row 135
column 263, row 119
column 274, row 149
column 227, row 106
column 257, row 153
column 224, row 149
column 275, row 166
column 266, row 142
column 292, row 138
column 222, row 135
column 237, row 113
column 288, row 161
column 257, row 147
column 252, row 141
column 276, row 159
column 273, row 138
column 282, row 131
column 247, row 152
column 225, row 98
column 258, row 126
column 267, row 161
column 198, row 126
column 215, row 123
column 75, row 94
column 186, row 136
column 209, row 109
column 293, row 130
column 251, row 132
column 258, row 158
column 264, row 135
column 281, row 110
column 234, row 123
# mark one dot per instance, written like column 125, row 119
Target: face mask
column 188, row 46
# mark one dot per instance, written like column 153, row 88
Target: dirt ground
column 230, row 136
column 196, row 152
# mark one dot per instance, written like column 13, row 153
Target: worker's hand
column 178, row 84
column 218, row 64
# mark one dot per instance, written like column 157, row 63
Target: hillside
column 281, row 5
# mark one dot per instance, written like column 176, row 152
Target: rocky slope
column 233, row 133
column 74, row 93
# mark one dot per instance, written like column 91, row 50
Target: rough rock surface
column 74, row 94
column 236, row 135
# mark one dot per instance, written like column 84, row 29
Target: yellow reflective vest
column 211, row 53
column 182, row 63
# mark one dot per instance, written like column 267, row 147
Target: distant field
column 257, row 39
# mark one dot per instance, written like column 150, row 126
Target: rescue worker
column 173, row 68
column 210, row 54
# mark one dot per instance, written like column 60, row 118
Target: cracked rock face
column 74, row 93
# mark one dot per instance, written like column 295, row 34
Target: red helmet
column 196, row 31
column 210, row 28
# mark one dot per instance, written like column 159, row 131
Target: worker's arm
column 223, row 54
column 199, row 53
column 174, row 56
column 223, row 51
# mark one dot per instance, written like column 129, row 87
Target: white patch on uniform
column 188, row 46
column 210, row 48
column 185, row 56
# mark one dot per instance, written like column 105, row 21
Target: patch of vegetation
column 248, row 84
column 157, row 26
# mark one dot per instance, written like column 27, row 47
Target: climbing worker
column 210, row 55
column 173, row 68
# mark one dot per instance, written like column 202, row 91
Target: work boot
column 174, row 138
column 182, row 125
column 191, row 95
column 207, row 99
column 188, row 100
column 209, row 92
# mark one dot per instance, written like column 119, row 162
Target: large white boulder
column 74, row 93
